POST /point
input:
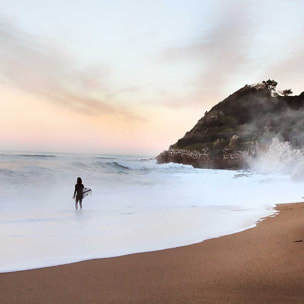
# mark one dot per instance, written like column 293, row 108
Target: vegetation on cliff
column 249, row 117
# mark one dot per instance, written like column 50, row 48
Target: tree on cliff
column 287, row 92
column 270, row 84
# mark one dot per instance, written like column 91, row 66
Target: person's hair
column 79, row 181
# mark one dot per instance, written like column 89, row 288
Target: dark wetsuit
column 78, row 192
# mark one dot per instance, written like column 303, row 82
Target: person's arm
column 74, row 192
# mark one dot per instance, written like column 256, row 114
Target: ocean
column 136, row 204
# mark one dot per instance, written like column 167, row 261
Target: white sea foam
column 136, row 206
column 279, row 157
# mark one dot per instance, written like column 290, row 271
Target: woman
column 78, row 193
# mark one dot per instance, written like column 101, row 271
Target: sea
column 136, row 205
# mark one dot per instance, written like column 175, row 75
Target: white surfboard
column 86, row 192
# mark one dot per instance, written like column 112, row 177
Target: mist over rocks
column 240, row 127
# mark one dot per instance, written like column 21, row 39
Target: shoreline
column 264, row 264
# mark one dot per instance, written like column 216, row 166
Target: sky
column 130, row 76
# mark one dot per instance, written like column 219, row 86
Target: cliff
column 252, row 116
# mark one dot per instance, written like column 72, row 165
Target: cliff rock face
column 225, row 136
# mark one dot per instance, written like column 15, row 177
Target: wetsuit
column 79, row 195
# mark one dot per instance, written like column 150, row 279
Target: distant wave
column 37, row 155
column 28, row 155
column 117, row 165
column 100, row 164
column 6, row 171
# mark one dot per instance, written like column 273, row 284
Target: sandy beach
column 264, row 264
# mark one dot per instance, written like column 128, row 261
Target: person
column 78, row 196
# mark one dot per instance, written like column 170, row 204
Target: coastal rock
column 229, row 160
column 226, row 135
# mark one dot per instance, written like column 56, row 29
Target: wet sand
column 264, row 264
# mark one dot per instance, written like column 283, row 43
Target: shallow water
column 136, row 206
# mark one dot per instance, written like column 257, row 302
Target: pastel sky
column 132, row 76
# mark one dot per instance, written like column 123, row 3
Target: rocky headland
column 239, row 127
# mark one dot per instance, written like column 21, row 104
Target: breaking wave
column 117, row 165
column 279, row 157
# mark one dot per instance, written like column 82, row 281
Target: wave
column 279, row 157
column 37, row 155
column 100, row 165
column 6, row 171
column 28, row 155
column 110, row 165
column 117, row 165
column 7, row 175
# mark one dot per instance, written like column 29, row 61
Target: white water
column 136, row 206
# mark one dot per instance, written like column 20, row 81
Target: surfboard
column 86, row 192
